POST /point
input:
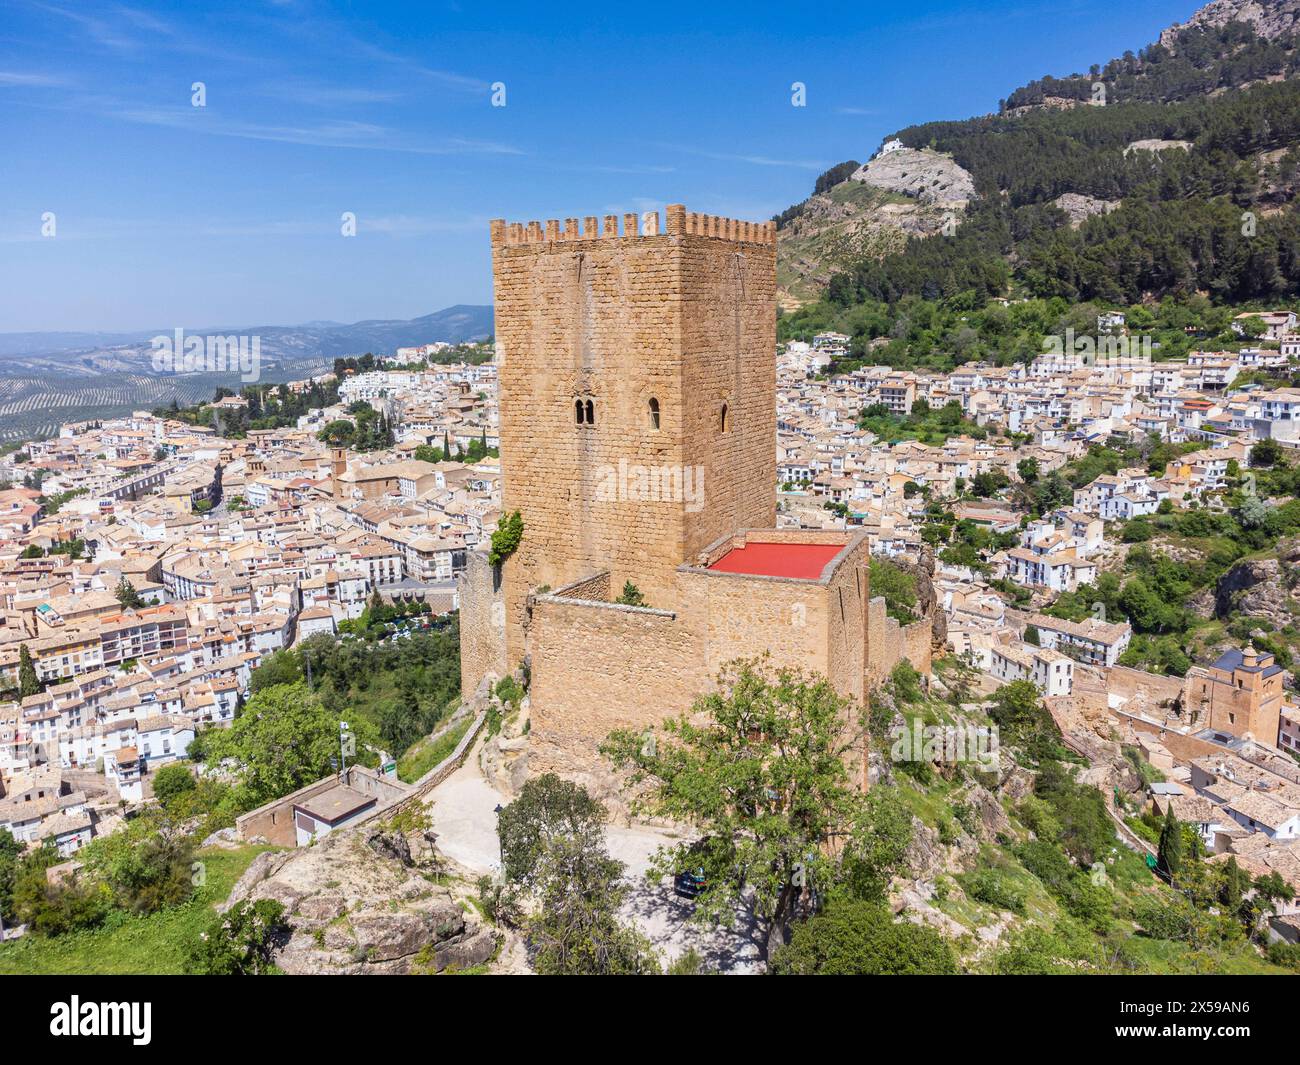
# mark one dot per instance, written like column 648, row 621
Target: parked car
column 688, row 885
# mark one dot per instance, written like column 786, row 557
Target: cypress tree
column 1169, row 858
column 28, row 684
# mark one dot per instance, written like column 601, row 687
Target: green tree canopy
column 760, row 767
column 548, row 807
column 282, row 741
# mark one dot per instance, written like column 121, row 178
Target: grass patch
column 1168, row 956
column 429, row 752
column 130, row 945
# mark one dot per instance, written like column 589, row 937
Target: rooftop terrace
column 760, row 559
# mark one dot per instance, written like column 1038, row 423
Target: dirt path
column 463, row 808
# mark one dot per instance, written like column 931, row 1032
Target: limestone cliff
column 1271, row 19
column 903, row 193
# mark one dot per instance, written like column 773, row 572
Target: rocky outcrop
column 1080, row 207
column 369, row 901
column 1271, row 19
column 927, row 599
column 988, row 820
column 1256, row 588
column 913, row 904
column 1157, row 146
column 1016, row 782
column 836, row 230
column 928, row 854
column 930, row 176
column 903, row 193
column 503, row 758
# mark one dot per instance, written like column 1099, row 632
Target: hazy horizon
column 169, row 214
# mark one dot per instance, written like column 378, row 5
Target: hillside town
column 149, row 565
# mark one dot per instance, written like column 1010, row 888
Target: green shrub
column 992, row 887
column 852, row 937
column 170, row 781
column 239, row 942
column 505, row 540
column 1286, row 955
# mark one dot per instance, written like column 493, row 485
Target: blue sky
column 171, row 215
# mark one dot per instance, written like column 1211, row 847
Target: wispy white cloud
column 416, row 225
column 341, row 39
column 755, row 160
column 73, row 228
column 632, row 169
column 17, row 78
column 105, row 32
column 323, row 93
column 343, row 133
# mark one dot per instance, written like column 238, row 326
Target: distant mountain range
column 50, row 378
column 323, row 340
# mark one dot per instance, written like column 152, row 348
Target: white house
column 1051, row 672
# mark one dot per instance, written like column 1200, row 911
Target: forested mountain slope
column 1170, row 172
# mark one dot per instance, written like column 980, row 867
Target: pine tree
column 632, row 595
column 28, row 684
column 1169, row 858
column 127, row 596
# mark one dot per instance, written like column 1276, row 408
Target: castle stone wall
column 888, row 643
column 600, row 667
column 482, row 624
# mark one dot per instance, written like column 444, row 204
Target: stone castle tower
column 638, row 396
column 638, row 443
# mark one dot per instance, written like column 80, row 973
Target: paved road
column 463, row 809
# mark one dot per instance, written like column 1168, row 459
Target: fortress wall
column 595, row 588
column 482, row 624
column 918, row 644
column 599, row 667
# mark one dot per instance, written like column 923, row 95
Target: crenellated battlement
column 678, row 222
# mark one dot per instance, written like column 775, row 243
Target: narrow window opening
column 591, row 413
column 654, row 414
column 723, row 420
column 577, row 411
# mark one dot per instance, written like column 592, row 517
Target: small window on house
column 591, row 413
column 723, row 420
column 577, row 411
column 654, row 414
